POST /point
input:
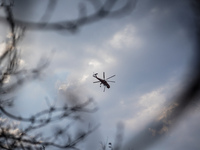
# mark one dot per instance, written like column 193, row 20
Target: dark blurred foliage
column 181, row 102
column 12, row 137
column 12, row 77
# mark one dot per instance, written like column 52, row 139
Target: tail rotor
column 95, row 75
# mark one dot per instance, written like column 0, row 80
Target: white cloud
column 94, row 63
column 84, row 78
column 22, row 63
column 126, row 38
column 62, row 87
column 2, row 120
column 149, row 104
column 155, row 97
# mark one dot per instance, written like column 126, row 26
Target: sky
column 149, row 50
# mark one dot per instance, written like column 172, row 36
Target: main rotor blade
column 110, row 77
column 104, row 89
column 96, row 82
column 104, row 75
column 111, row 81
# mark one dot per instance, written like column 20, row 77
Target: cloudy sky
column 149, row 51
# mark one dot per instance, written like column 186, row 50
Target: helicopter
column 103, row 81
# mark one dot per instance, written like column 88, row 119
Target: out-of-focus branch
column 63, row 112
column 73, row 25
column 49, row 11
column 23, row 138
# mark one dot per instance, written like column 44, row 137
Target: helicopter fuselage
column 104, row 82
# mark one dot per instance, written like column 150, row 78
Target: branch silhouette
column 71, row 26
column 11, row 135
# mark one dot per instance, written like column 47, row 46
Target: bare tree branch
column 73, row 25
